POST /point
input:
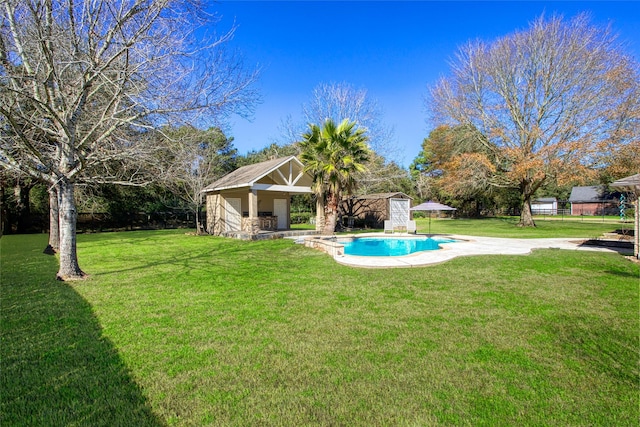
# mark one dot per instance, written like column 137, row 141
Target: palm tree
column 333, row 155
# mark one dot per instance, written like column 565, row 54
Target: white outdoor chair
column 411, row 227
column 388, row 226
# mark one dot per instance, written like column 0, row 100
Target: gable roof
column 284, row 174
column 592, row 194
column 630, row 183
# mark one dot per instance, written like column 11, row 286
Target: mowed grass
column 174, row 329
column 550, row 226
column 591, row 227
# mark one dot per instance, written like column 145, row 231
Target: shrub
column 301, row 217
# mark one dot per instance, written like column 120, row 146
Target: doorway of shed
column 399, row 212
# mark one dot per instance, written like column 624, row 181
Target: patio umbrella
column 432, row 206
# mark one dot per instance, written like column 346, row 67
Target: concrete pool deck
column 467, row 246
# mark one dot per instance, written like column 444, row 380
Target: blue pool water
column 377, row 246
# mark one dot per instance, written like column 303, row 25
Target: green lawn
column 587, row 227
column 174, row 329
column 506, row 227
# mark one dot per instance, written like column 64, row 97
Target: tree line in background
column 107, row 108
column 192, row 159
column 186, row 161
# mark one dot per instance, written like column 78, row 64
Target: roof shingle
column 592, row 194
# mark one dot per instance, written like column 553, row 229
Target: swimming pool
column 391, row 246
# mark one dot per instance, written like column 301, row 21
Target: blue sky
column 394, row 50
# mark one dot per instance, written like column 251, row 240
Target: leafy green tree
column 334, row 155
column 272, row 151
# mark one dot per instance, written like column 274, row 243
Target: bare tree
column 193, row 159
column 545, row 102
column 383, row 177
column 339, row 101
column 80, row 79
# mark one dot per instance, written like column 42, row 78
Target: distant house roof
column 592, row 194
column 630, row 183
column 282, row 174
column 397, row 195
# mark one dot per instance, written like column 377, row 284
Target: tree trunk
column 526, row 217
column 3, row 213
column 23, row 208
column 320, row 219
column 198, row 227
column 330, row 213
column 527, row 188
column 69, row 268
column 54, row 223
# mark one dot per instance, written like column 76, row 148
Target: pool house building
column 255, row 198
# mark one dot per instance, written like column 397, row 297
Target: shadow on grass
column 194, row 257
column 57, row 367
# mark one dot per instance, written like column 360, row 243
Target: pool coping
column 464, row 246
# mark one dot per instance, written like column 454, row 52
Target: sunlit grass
column 557, row 226
column 506, row 227
column 210, row 331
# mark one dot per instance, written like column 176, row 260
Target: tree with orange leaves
column 454, row 166
column 545, row 102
